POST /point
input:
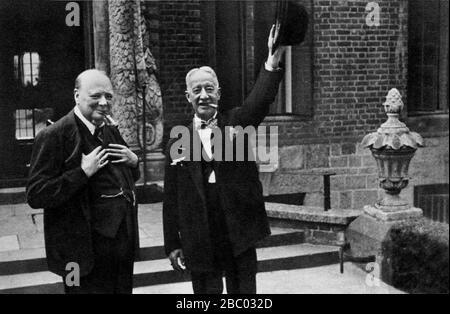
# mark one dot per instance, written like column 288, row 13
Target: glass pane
column 35, row 58
column 29, row 68
column 24, row 124
column 26, row 128
column 26, row 58
column 16, row 67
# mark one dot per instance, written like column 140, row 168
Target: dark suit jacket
column 184, row 210
column 59, row 185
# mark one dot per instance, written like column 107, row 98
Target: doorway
column 40, row 57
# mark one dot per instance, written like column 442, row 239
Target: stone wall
column 356, row 181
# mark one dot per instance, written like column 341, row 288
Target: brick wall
column 176, row 38
column 354, row 66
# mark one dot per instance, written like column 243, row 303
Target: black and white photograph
column 198, row 148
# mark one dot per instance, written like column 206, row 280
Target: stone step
column 12, row 196
column 33, row 260
column 159, row 272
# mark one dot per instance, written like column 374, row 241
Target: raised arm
column 256, row 105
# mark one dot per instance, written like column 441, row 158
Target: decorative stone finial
column 393, row 146
column 393, row 134
column 393, row 103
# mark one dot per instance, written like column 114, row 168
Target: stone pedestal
column 367, row 233
column 394, row 215
column 154, row 167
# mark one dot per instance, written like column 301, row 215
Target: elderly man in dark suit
column 213, row 211
column 82, row 173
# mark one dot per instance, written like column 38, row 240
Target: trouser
column 113, row 269
column 240, row 277
column 239, row 271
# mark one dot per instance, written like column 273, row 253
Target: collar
column 91, row 127
column 198, row 121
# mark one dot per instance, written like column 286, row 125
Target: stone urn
column 392, row 146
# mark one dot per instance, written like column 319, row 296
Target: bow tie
column 211, row 124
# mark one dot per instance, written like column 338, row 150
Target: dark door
column 39, row 58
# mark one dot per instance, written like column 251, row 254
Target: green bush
column 418, row 254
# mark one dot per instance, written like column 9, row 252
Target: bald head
column 91, row 74
column 93, row 95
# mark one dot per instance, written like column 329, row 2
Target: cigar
column 110, row 120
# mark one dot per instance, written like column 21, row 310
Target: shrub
column 418, row 253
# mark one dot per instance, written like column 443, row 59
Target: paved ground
column 317, row 280
column 21, row 236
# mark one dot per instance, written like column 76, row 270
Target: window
column 26, row 68
column 295, row 93
column 428, row 56
column 295, row 96
column 29, row 122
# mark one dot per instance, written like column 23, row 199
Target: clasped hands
column 99, row 158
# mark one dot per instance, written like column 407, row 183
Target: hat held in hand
column 293, row 20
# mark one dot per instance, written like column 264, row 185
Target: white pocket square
column 175, row 161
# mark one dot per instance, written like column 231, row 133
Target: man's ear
column 186, row 93
column 76, row 94
column 219, row 93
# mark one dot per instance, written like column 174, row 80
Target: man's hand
column 273, row 60
column 94, row 161
column 176, row 258
column 124, row 155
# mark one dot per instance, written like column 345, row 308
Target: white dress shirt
column 91, row 127
column 205, row 137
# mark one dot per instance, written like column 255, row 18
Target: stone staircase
column 12, row 195
column 25, row 271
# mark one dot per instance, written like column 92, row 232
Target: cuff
column 270, row 68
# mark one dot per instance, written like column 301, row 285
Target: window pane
column 27, row 125
column 28, row 68
column 16, row 67
column 24, row 124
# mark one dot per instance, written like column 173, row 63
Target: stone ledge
column 409, row 213
column 311, row 214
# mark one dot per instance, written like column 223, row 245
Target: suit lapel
column 73, row 148
column 195, row 167
column 72, row 141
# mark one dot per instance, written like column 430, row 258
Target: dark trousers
column 239, row 271
column 113, row 268
column 240, row 277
